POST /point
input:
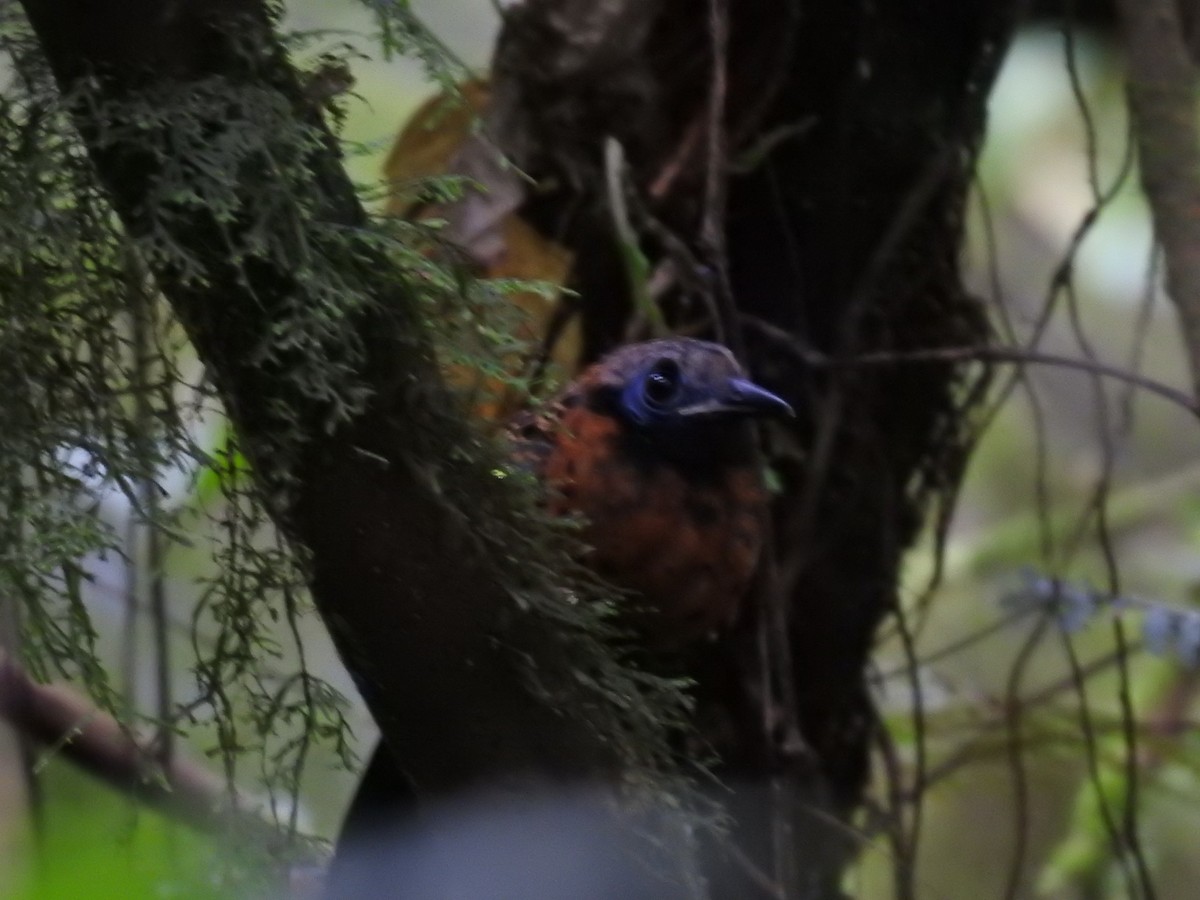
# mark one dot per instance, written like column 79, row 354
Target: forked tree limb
column 1162, row 102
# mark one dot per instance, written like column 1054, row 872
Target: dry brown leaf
column 444, row 136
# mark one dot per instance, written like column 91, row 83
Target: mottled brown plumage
column 653, row 446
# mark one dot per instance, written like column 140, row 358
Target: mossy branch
column 65, row 723
column 418, row 556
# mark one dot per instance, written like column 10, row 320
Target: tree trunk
column 414, row 601
column 803, row 167
column 821, row 220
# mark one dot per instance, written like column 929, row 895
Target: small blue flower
column 1159, row 629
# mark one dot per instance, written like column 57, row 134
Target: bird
column 654, row 448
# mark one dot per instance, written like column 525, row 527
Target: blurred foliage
column 101, row 846
column 1045, row 754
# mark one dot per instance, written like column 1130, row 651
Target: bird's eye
column 662, row 383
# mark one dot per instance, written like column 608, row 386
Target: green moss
column 92, row 401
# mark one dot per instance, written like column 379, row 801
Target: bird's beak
column 741, row 398
column 748, row 397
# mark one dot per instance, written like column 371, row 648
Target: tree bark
column 848, row 132
column 410, row 594
column 1162, row 101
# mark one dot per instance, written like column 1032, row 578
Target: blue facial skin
column 699, row 426
column 663, row 396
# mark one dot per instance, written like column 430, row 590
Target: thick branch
column 409, row 591
column 60, row 719
column 1162, row 101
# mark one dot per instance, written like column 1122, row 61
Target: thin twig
column 1016, row 758
column 893, row 820
column 761, row 879
column 675, row 164
column 1018, row 356
column 144, row 338
column 1057, row 280
column 1116, row 836
column 637, row 268
column 906, row 855
column 712, row 224
column 1124, row 834
column 916, row 202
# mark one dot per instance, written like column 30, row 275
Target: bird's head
column 682, row 395
column 682, row 381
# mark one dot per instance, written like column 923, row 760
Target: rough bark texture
column 1162, row 101
column 850, row 131
column 407, row 591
